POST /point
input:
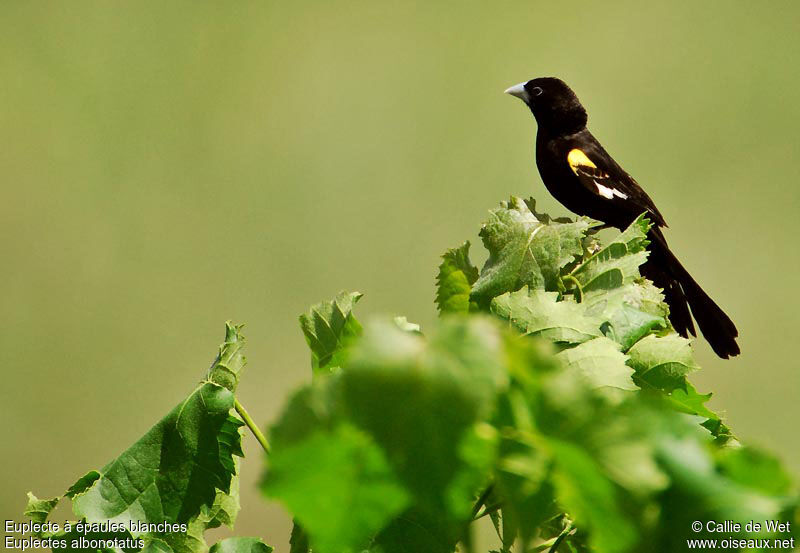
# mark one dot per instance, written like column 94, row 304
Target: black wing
column 601, row 176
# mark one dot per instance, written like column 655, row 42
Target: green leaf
column 405, row 406
column 599, row 363
column 228, row 365
column 75, row 545
column 298, row 541
column 223, row 511
column 240, row 545
column 455, row 280
column 590, row 498
column 420, row 399
column 721, row 432
column 630, row 462
column 476, row 454
column 688, row 400
column 662, row 362
column 337, row 484
column 754, row 469
column 192, row 541
column 716, row 483
column 39, row 509
column 618, row 262
column 539, row 313
column 83, row 484
column 183, row 470
column 391, row 453
column 156, row 546
column 711, row 492
column 523, row 472
column 524, row 482
column 631, row 311
column 415, row 532
column 524, row 251
column 329, row 327
column 174, row 469
column 226, row 506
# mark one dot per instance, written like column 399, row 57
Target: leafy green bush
column 552, row 397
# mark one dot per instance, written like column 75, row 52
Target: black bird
column 580, row 174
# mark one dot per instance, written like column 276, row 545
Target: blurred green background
column 168, row 166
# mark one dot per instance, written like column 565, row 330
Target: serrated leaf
column 224, row 510
column 240, row 545
column 226, row 506
column 634, row 238
column 39, row 509
column 230, row 361
column 617, row 263
column 539, row 313
column 599, row 363
column 524, row 251
column 183, row 470
column 83, row 484
column 631, row 311
column 329, row 327
column 723, row 435
column 191, row 541
column 391, row 452
column 174, row 469
column 454, row 281
column 686, row 399
column 662, row 362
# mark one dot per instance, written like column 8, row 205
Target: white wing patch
column 609, row 193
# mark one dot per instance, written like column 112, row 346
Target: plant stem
column 466, row 540
column 481, row 500
column 578, row 287
column 487, row 511
column 542, row 546
column 251, row 425
column 552, row 544
column 561, row 537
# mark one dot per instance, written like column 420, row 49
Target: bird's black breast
column 561, row 181
column 591, row 183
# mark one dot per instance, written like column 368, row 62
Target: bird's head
column 554, row 105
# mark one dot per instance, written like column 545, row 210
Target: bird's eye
column 536, row 91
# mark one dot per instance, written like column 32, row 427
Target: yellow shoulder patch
column 576, row 158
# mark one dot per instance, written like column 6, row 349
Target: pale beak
column 519, row 91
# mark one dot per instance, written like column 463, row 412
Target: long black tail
column 682, row 293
